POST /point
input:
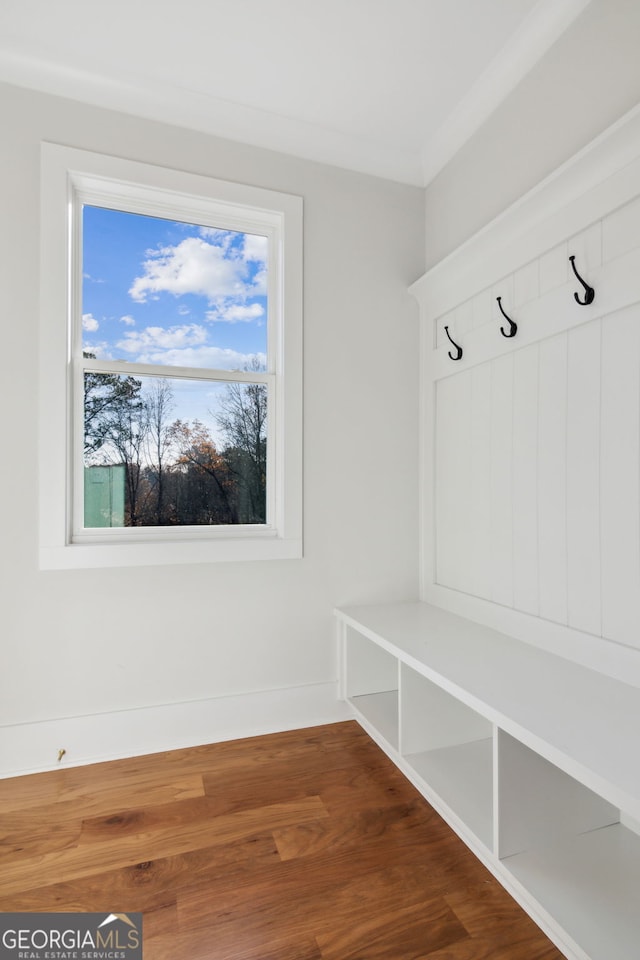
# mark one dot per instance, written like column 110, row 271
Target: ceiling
column 388, row 87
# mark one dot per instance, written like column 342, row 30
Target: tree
column 243, row 421
column 127, row 430
column 198, row 459
column 158, row 405
column 105, row 394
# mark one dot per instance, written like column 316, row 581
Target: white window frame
column 71, row 178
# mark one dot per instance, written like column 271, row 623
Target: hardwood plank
column 151, row 883
column 20, row 835
column 398, row 825
column 401, row 934
column 165, row 841
column 488, row 910
column 307, row 845
column 299, row 898
column 83, row 790
column 201, row 945
column 363, row 782
column 486, row 949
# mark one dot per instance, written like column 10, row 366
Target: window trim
column 71, row 177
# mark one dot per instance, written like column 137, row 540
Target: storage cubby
column 529, row 757
column 449, row 746
column 371, row 684
column 567, row 848
column 588, row 884
column 539, row 804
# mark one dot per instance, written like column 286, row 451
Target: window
column 170, row 366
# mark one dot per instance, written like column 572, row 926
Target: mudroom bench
column 531, row 758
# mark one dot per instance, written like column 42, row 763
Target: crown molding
column 163, row 102
column 537, row 33
column 181, row 107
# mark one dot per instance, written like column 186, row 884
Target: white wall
column 92, row 642
column 584, row 83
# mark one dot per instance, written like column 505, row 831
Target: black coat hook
column 589, row 292
column 456, row 345
column 513, row 326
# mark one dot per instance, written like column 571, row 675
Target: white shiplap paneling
column 552, row 490
column 583, row 478
column 453, row 479
column 479, row 531
column 525, row 480
column 501, row 544
column 620, row 476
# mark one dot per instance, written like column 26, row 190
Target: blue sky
column 163, row 292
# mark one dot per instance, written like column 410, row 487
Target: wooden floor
column 307, row 845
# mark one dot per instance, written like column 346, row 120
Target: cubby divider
column 543, row 790
column 371, row 685
column 449, row 747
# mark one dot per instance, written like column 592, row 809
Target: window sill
column 86, row 556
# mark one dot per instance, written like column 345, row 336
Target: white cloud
column 255, row 248
column 193, row 266
column 101, row 351
column 260, row 283
column 237, row 313
column 89, row 323
column 205, row 357
column 128, row 321
column 221, row 238
column 161, row 339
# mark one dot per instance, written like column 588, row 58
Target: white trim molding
column 34, row 747
column 546, row 22
column 601, row 177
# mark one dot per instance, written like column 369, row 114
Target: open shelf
column 381, row 711
column 449, row 746
column 589, row 884
column 371, row 684
column 461, row 776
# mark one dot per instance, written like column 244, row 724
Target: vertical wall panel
column 620, row 476
column 586, row 247
column 554, row 267
column 525, row 480
column 501, row 556
column 453, row 482
column 482, row 308
column 464, row 319
column 552, row 439
column 480, row 520
column 526, row 284
column 583, row 478
column 620, row 231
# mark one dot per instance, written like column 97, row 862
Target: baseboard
column 34, row 747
